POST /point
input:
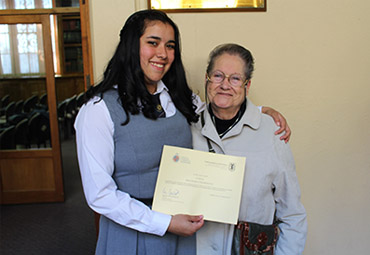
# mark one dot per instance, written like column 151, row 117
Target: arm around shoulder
column 279, row 121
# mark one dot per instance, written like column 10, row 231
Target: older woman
column 233, row 125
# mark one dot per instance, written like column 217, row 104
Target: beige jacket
column 270, row 182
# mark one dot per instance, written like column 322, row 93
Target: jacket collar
column 251, row 118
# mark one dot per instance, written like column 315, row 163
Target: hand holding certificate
column 196, row 182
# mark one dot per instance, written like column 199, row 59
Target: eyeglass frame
column 228, row 78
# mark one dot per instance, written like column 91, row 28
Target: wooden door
column 33, row 173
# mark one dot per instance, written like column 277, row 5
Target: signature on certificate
column 170, row 192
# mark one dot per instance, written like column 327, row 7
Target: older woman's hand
column 280, row 121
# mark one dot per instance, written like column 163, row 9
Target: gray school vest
column 138, row 148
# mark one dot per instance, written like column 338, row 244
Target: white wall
column 313, row 65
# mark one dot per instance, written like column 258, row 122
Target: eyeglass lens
column 234, row 79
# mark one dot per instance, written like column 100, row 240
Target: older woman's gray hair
column 232, row 49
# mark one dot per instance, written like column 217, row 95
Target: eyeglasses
column 236, row 80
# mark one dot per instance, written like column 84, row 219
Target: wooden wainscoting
column 30, row 176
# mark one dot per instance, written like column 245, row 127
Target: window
column 25, row 4
column 21, row 45
column 20, row 50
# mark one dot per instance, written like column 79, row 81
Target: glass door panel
column 25, row 120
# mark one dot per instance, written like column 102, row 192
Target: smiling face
column 226, row 99
column 157, row 52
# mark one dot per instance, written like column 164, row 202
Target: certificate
column 199, row 183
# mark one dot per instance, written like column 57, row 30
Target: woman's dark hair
column 232, row 49
column 124, row 70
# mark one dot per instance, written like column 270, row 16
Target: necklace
column 220, row 121
column 224, row 126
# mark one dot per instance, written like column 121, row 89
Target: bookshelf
column 71, row 61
